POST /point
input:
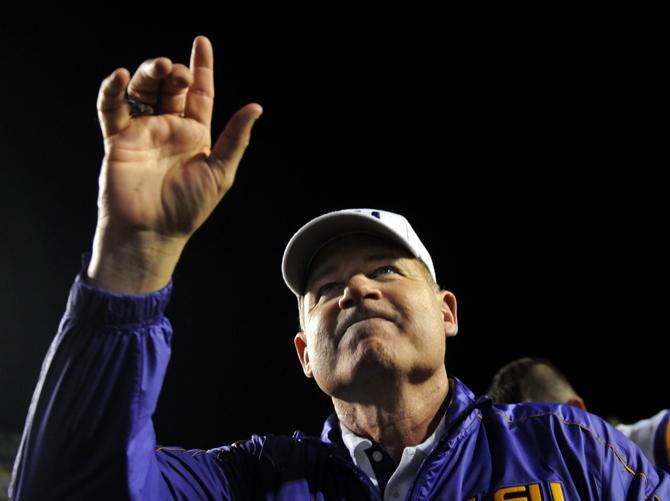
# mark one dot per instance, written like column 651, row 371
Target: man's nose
column 358, row 288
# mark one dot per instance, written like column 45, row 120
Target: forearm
column 89, row 433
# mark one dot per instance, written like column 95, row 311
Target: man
column 537, row 380
column 532, row 380
column 374, row 329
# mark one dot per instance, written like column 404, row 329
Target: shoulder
column 656, row 421
column 537, row 413
column 565, row 433
column 653, row 437
column 552, row 420
column 273, row 451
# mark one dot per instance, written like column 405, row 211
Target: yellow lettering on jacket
column 501, row 494
column 532, row 493
column 529, row 492
column 557, row 491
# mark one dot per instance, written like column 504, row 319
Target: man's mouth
column 360, row 316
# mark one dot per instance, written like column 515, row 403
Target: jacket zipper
column 439, row 449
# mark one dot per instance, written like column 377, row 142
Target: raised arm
column 89, row 432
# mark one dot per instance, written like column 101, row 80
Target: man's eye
column 326, row 289
column 383, row 270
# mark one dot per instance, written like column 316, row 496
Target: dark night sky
column 528, row 160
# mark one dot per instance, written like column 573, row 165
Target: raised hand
column 160, row 177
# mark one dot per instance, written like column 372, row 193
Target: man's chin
column 373, row 356
column 368, row 328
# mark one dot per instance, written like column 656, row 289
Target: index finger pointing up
column 200, row 97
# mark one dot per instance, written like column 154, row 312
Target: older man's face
column 369, row 312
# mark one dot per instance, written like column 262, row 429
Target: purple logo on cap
column 376, row 214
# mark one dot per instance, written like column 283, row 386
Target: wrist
column 135, row 263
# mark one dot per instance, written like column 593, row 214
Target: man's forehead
column 366, row 247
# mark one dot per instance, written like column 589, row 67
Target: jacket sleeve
column 89, row 431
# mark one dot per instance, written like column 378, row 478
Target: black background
column 529, row 156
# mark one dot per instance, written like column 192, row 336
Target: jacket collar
column 459, row 416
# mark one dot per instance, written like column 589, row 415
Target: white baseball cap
column 308, row 240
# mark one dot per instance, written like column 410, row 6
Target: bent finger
column 145, row 84
column 172, row 97
column 113, row 109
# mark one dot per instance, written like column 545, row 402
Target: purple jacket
column 89, row 434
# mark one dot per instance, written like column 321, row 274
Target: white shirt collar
column 412, row 457
column 356, row 443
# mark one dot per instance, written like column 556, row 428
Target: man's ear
column 577, row 401
column 449, row 316
column 300, row 342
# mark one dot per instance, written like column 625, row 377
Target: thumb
column 232, row 143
